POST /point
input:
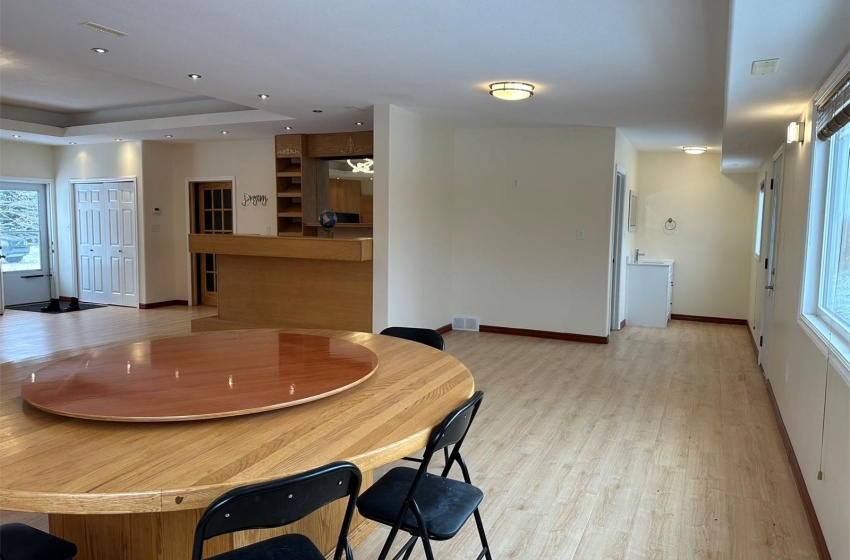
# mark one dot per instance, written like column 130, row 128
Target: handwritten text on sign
column 254, row 199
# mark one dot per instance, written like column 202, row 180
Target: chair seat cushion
column 445, row 503
column 284, row 547
column 22, row 542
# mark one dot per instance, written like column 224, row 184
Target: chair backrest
column 452, row 431
column 281, row 502
column 428, row 337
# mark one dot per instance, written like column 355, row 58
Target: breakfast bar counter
column 301, row 282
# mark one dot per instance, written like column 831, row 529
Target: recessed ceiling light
column 100, row 50
column 694, row 150
column 359, row 123
column 72, row 143
column 225, row 132
column 317, row 110
column 263, row 96
column 195, row 76
column 169, row 136
column 16, row 136
column 511, row 91
column 288, row 128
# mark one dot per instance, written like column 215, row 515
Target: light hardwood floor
column 661, row 444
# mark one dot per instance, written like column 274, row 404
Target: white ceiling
column 666, row 72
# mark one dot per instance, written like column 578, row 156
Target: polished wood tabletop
column 56, row 464
column 199, row 376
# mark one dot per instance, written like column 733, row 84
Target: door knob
column 768, row 287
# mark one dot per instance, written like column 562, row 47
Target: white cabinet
column 649, row 294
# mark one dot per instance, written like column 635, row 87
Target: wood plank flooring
column 661, row 444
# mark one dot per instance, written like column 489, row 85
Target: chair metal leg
column 486, row 547
column 426, row 543
column 406, row 549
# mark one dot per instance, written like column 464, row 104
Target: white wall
column 159, row 230
column 797, row 367
column 97, row 161
column 626, row 159
column 711, row 244
column 252, row 163
column 517, row 262
column 413, row 220
column 21, row 159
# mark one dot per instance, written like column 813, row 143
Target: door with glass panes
column 212, row 212
column 24, row 250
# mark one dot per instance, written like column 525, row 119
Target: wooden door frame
column 190, row 225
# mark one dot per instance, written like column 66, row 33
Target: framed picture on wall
column 633, row 211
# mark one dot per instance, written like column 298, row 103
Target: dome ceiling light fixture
column 511, row 91
column 694, row 150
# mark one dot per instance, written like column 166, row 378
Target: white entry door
column 106, row 243
column 24, row 242
column 770, row 265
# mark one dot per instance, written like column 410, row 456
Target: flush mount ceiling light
column 364, row 166
column 511, row 91
column 72, row 143
column 694, row 150
column 263, row 96
column 288, row 128
column 195, row 76
column 225, row 132
column 358, row 124
column 16, row 136
column 119, row 139
column 100, row 50
column 169, row 136
column 762, row 67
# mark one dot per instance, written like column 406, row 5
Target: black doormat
column 37, row 307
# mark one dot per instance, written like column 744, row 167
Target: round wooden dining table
column 134, row 490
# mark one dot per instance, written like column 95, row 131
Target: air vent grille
column 460, row 323
column 103, row 29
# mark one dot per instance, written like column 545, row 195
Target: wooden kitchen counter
column 300, row 282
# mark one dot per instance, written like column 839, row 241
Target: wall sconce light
column 511, row 91
column 795, row 132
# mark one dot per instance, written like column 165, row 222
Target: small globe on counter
column 327, row 219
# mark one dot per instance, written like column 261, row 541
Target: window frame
column 824, row 329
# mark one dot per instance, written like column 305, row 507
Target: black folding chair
column 428, row 337
column 22, row 542
column 278, row 503
column 429, row 506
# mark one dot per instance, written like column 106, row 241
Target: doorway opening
column 617, row 249
column 210, row 213
column 25, row 257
